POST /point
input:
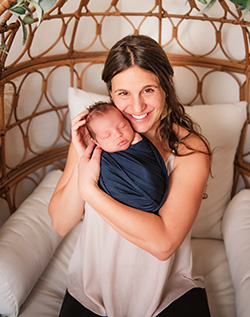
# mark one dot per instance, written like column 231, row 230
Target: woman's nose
column 138, row 104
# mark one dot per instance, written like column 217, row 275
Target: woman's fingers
column 81, row 116
column 93, row 154
column 79, row 120
column 89, row 170
column 80, row 135
column 89, row 150
column 97, row 154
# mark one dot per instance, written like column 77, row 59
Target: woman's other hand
column 80, row 135
column 89, row 170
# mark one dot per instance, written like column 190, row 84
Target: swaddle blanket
column 136, row 177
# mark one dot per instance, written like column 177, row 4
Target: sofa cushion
column 27, row 242
column 221, row 125
column 210, row 261
column 79, row 99
column 236, row 232
column 47, row 295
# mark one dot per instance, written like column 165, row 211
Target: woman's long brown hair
column 145, row 52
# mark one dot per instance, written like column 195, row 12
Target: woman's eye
column 123, row 93
column 148, row 90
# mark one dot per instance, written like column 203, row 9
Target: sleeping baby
column 132, row 169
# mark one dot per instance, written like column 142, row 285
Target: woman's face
column 138, row 95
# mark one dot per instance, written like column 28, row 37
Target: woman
column 128, row 262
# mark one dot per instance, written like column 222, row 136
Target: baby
column 132, row 170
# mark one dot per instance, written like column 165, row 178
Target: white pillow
column 27, row 242
column 79, row 100
column 236, row 232
column 221, row 125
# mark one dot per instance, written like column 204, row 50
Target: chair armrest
column 236, row 233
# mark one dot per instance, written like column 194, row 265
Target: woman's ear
column 164, row 111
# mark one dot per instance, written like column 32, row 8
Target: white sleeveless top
column 112, row 277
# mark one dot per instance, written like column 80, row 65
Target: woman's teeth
column 139, row 117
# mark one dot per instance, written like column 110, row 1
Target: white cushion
column 236, row 232
column 78, row 100
column 221, row 125
column 47, row 295
column 210, row 261
column 27, row 242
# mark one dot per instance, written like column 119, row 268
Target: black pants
column 192, row 304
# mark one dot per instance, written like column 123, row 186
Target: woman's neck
column 152, row 136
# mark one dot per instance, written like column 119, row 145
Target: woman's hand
column 80, row 135
column 89, row 171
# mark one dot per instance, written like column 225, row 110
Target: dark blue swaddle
column 136, row 177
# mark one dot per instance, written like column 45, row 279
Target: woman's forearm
column 66, row 206
column 144, row 229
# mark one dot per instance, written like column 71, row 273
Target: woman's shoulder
column 193, row 153
column 190, row 142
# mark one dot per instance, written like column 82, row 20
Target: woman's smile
column 142, row 116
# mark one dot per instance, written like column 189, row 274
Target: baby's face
column 113, row 132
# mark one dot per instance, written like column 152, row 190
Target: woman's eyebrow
column 144, row 87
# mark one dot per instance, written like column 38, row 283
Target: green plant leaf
column 208, row 6
column 203, row 1
column 47, row 4
column 246, row 10
column 39, row 11
column 17, row 10
column 24, row 29
column 243, row 5
column 28, row 19
column 27, row 9
column 3, row 47
column 239, row 2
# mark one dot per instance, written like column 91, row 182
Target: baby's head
column 108, row 127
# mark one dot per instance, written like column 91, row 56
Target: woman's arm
column 159, row 234
column 66, row 206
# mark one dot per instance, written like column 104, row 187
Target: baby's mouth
column 122, row 142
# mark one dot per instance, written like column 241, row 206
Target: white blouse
column 112, row 277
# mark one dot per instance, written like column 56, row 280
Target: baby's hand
column 80, row 135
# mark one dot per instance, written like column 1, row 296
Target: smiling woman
column 158, row 241
column 125, row 256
